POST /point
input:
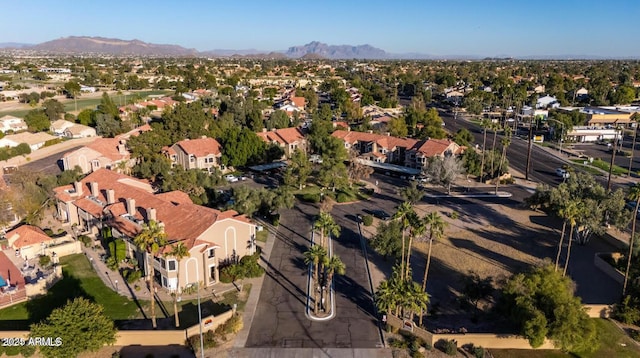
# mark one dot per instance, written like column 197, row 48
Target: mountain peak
column 323, row 50
column 110, row 46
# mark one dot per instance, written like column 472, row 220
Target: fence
column 605, row 267
column 64, row 249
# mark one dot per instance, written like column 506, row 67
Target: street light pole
column 613, row 158
column 526, row 173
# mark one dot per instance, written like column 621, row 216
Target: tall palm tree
column 387, row 297
column 327, row 226
column 636, row 118
column 402, row 215
column 506, row 142
column 333, row 266
column 179, row 251
column 634, row 194
column 419, row 300
column 150, row 239
column 572, row 213
column 435, row 227
column 485, row 125
column 315, row 256
column 563, row 214
column 494, row 128
column 418, row 228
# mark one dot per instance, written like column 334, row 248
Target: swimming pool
column 2, row 282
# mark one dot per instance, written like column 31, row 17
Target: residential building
column 407, row 152
column 289, row 139
column 106, row 200
column 80, row 131
column 28, row 241
column 102, row 153
column 34, row 140
column 546, row 102
column 87, row 89
column 11, row 123
column 201, row 153
column 58, row 127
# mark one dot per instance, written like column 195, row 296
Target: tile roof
column 384, row 141
column 183, row 220
column 200, row 147
column 27, row 235
column 29, row 138
column 108, row 147
column 282, row 136
column 433, row 147
column 10, row 272
column 299, row 101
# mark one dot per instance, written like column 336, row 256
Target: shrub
column 86, row 240
column 342, row 198
column 450, row 347
column 478, row 352
column 118, row 249
column 44, row 260
column 627, row 311
column 367, row 220
column 49, row 232
column 112, row 264
column 52, row 142
column 209, row 341
column 635, row 334
column 232, row 325
column 311, row 198
column 131, row 275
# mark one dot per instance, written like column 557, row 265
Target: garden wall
column 68, row 248
column 209, row 323
column 605, row 267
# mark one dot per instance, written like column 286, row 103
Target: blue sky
column 464, row 27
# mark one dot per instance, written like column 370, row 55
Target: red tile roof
column 200, row 147
column 384, row 141
column 282, row 136
column 433, row 147
column 299, row 101
column 27, row 236
column 108, row 147
column 10, row 272
column 183, row 220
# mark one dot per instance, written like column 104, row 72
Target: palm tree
column 404, row 211
column 418, row 300
column 634, row 194
column 333, row 266
column 315, row 256
column 179, row 251
column 326, row 225
column 505, row 141
column 562, row 212
column 150, row 239
column 435, row 226
column 387, row 297
column 485, row 125
column 417, row 229
column 494, row 128
column 636, row 118
column 572, row 213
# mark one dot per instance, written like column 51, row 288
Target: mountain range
column 312, row 50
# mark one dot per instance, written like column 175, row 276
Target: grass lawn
column 79, row 280
column 601, row 164
column 342, row 195
column 609, row 336
column 262, row 235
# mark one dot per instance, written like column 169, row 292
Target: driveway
column 280, row 319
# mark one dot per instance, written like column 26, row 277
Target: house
column 29, row 241
column 289, row 139
column 11, row 123
column 34, row 140
column 102, row 153
column 407, row 152
column 87, row 89
column 546, row 102
column 454, row 96
column 79, row 131
column 299, row 102
column 107, row 200
column 539, row 89
column 201, row 153
column 58, row 127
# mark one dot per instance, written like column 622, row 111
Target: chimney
column 161, row 225
column 94, row 189
column 122, row 149
column 264, row 130
column 131, row 206
column 274, row 129
column 77, row 186
column 151, row 214
column 203, row 137
column 111, row 196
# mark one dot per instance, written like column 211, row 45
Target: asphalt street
column 49, row 164
column 280, row 319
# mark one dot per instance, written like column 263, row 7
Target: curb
column 373, row 301
column 308, row 312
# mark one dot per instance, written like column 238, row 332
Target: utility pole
column 526, row 174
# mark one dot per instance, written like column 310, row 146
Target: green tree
column 435, row 229
column 386, row 242
column 109, row 126
column 444, row 170
column 506, row 142
column 178, row 251
column 107, row 106
column 542, row 304
column 53, row 109
column 87, row 117
column 333, row 266
column 403, row 215
column 397, row 127
column 485, row 124
column 241, row 147
column 37, row 121
column 636, row 119
column 298, row 170
column 463, row 137
column 277, row 120
column 411, row 193
column 81, row 325
column 150, row 239
column 72, row 89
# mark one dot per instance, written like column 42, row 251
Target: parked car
column 381, row 214
column 230, row 178
column 563, row 173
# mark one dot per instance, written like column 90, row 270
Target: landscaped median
column 323, row 265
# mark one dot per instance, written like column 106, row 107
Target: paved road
column 280, row 319
column 49, row 164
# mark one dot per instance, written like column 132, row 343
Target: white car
column 230, row 178
column 562, row 173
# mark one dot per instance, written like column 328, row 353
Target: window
column 209, row 160
column 164, row 281
column 163, row 263
column 212, row 253
column 172, row 265
column 192, row 158
column 95, row 164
